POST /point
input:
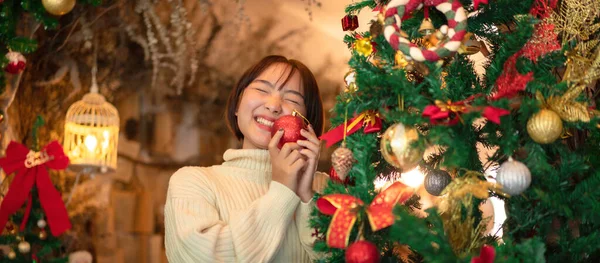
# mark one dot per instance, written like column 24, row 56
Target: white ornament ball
column 514, row 177
column 24, row 247
column 41, row 223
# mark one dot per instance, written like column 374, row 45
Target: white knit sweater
column 234, row 213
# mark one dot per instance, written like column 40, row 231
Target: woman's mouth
column 264, row 121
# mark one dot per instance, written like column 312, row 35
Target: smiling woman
column 255, row 206
column 277, row 78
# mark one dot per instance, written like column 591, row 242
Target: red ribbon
column 31, row 168
column 369, row 119
column 543, row 41
column 493, row 114
column 487, row 255
column 448, row 113
column 344, row 209
column 441, row 112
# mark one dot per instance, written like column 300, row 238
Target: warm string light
column 413, row 178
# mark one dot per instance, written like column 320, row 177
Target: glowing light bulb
column 75, row 152
column 413, row 178
column 90, row 142
column 381, row 184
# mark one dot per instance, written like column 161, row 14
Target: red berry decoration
column 291, row 126
column 362, row 252
column 16, row 62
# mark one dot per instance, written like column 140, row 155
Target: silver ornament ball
column 514, row 177
column 41, row 223
column 436, row 181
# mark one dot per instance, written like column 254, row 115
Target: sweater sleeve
column 305, row 231
column 195, row 233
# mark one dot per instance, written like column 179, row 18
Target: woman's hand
column 310, row 150
column 286, row 163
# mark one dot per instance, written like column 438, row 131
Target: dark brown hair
column 312, row 99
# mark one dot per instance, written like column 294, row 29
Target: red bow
column 487, row 255
column 440, row 112
column 31, row 168
column 344, row 209
column 448, row 113
column 369, row 119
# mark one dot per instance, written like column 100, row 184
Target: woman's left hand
column 311, row 150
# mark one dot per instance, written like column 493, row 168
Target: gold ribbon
column 448, row 106
column 368, row 117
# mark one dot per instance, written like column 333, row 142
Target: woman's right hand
column 286, row 163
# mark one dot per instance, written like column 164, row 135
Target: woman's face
column 264, row 101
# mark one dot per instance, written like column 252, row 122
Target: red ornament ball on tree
column 291, row 126
column 362, row 252
column 16, row 62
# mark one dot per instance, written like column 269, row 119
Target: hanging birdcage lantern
column 92, row 133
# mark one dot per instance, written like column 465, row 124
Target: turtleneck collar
column 252, row 159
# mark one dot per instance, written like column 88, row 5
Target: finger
column 274, row 141
column 309, row 145
column 311, row 158
column 298, row 165
column 310, row 155
column 310, row 136
column 293, row 157
column 288, row 148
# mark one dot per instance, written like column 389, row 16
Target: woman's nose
column 273, row 104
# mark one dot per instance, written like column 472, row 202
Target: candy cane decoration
column 456, row 29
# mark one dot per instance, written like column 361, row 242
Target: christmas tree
column 413, row 87
column 32, row 212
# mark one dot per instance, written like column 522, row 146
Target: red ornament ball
column 16, row 62
column 362, row 252
column 291, row 126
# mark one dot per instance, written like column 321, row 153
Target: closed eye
column 261, row 90
column 293, row 101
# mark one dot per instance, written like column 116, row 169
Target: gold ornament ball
column 396, row 147
column 545, row 126
column 58, row 7
column 24, row 247
column 43, row 235
column 12, row 254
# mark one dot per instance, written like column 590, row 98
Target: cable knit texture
column 233, row 212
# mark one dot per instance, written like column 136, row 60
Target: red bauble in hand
column 291, row 126
column 362, row 252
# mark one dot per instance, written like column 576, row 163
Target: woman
column 255, row 206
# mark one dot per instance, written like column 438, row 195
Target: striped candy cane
column 456, row 28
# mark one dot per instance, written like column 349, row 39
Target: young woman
column 254, row 207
